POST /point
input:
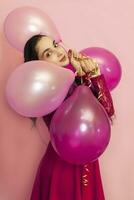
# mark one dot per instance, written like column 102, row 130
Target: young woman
column 57, row 179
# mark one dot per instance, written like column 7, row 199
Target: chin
column 65, row 63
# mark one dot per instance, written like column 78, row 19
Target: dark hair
column 30, row 54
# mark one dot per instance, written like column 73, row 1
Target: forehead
column 44, row 43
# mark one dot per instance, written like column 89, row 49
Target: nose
column 59, row 54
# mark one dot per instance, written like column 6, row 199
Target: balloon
column 37, row 88
column 108, row 63
column 24, row 22
column 80, row 128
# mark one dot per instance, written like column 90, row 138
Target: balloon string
column 81, row 80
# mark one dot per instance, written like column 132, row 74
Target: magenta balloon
column 109, row 64
column 37, row 88
column 24, row 22
column 80, row 128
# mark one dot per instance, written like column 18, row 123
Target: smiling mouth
column 63, row 59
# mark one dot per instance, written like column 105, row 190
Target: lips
column 63, row 59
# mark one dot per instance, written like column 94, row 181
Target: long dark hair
column 30, row 54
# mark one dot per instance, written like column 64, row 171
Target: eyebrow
column 47, row 49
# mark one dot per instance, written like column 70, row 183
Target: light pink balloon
column 24, row 22
column 37, row 88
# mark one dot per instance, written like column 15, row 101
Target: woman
column 57, row 179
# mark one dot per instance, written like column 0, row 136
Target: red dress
column 59, row 180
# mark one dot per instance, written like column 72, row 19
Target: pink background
column 82, row 23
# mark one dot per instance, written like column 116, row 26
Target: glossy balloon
column 24, row 22
column 109, row 64
column 80, row 128
column 37, row 88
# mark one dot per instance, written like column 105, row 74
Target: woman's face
column 50, row 51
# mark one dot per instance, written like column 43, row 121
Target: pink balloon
column 109, row 64
column 24, row 22
column 37, row 88
column 80, row 128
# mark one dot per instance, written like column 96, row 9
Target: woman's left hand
column 90, row 66
column 87, row 64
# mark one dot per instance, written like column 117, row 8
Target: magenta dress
column 59, row 180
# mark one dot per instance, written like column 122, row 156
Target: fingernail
column 69, row 52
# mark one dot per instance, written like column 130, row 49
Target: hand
column 75, row 59
column 83, row 64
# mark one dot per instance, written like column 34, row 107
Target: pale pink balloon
column 37, row 88
column 24, row 22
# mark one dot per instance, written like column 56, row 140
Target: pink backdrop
column 82, row 23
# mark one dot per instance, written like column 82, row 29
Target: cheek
column 63, row 51
column 53, row 58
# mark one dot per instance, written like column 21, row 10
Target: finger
column 94, row 67
column 84, row 57
column 75, row 63
column 84, row 66
column 80, row 56
column 75, row 54
column 73, row 60
column 70, row 55
column 94, row 62
column 80, row 72
column 91, row 65
column 69, row 52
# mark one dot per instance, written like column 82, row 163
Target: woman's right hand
column 75, row 58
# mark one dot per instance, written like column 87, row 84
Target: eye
column 48, row 54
